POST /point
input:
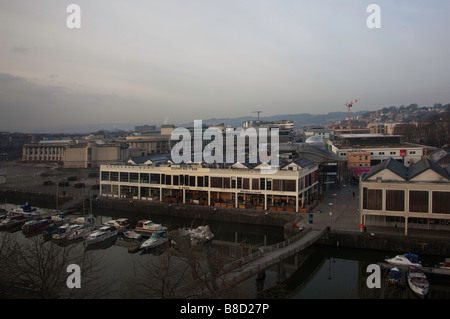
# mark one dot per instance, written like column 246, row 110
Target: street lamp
column 331, row 205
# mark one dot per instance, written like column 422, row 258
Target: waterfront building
column 83, row 153
column 417, row 196
column 290, row 188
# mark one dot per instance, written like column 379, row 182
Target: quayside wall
column 235, row 215
column 398, row 244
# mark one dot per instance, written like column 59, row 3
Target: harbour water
column 320, row 272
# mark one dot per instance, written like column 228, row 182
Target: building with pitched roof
column 291, row 187
column 417, row 196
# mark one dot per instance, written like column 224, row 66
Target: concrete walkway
column 339, row 210
column 345, row 216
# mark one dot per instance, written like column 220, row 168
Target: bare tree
column 42, row 267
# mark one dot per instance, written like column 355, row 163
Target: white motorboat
column 120, row 223
column 24, row 210
column 79, row 233
column 148, row 227
column 404, row 260
column 88, row 220
column 417, row 281
column 201, row 235
column 130, row 234
column 101, row 234
column 157, row 238
column 66, row 229
column 14, row 220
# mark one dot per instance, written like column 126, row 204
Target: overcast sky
column 174, row 61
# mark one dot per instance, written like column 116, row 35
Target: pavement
column 339, row 209
column 344, row 215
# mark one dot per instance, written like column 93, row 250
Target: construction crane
column 258, row 113
column 349, row 105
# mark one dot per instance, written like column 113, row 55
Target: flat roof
column 366, row 135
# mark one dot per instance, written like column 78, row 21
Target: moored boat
column 101, row 234
column 201, row 235
column 148, row 227
column 79, row 233
column 157, row 238
column 24, row 209
column 13, row 220
column 445, row 264
column 130, row 234
column 417, row 281
column 120, row 223
column 394, row 276
column 64, row 230
column 404, row 260
column 36, row 225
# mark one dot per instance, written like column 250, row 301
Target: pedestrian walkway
column 344, row 215
column 339, row 210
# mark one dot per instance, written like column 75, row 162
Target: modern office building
column 290, row 188
column 417, row 196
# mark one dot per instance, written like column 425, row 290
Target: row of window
column 395, row 201
column 379, row 153
column 45, row 151
column 204, row 181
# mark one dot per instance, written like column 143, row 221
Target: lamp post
column 331, row 220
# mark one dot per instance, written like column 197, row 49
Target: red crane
column 349, row 105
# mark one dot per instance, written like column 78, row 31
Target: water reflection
column 330, row 273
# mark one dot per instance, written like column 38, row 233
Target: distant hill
column 300, row 120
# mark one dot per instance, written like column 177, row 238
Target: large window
column 124, row 177
column 114, row 176
column 105, row 176
column 418, row 201
column 255, row 183
column 216, row 182
column 372, row 199
column 134, row 177
column 155, row 178
column 288, row 185
column 441, row 202
column 145, row 178
column 395, row 200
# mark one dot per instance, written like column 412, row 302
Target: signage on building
column 402, row 152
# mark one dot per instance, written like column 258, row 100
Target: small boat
column 36, row 225
column 201, row 235
column 148, row 227
column 89, row 220
column 404, row 260
column 120, row 223
column 417, row 281
column 445, row 264
column 13, row 220
column 79, row 233
column 157, row 238
column 66, row 229
column 101, row 234
column 25, row 210
column 394, row 276
column 130, row 234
